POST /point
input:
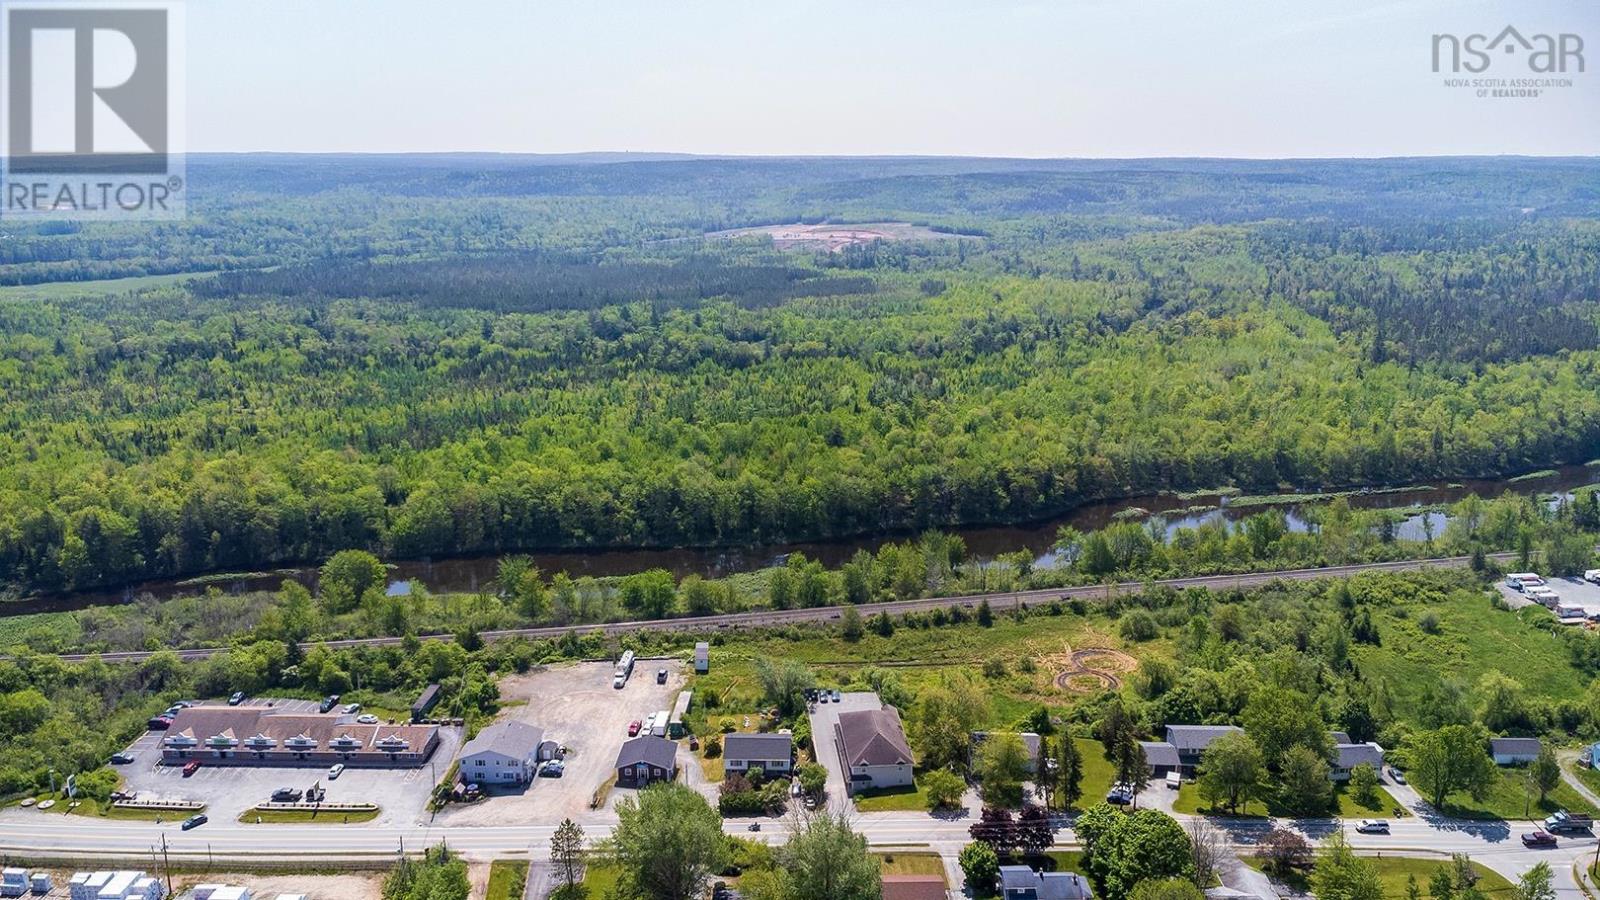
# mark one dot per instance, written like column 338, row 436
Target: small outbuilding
column 1510, row 751
column 702, row 657
column 425, row 703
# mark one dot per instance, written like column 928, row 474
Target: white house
column 503, row 753
column 1509, row 751
column 773, row 754
column 872, row 746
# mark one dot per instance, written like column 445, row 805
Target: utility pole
column 167, row 861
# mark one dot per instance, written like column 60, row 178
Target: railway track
column 769, row 617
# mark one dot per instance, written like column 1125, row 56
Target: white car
column 1372, row 826
column 367, row 719
column 1592, row 576
column 335, row 771
column 351, row 709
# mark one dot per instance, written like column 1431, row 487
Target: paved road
column 768, row 617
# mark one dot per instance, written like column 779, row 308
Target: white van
column 1174, row 780
column 1521, row 581
column 1592, row 576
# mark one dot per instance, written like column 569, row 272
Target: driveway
column 824, row 716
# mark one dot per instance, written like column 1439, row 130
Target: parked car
column 351, row 709
column 174, row 709
column 367, row 719
column 837, row 696
column 316, row 793
column 1119, row 796
column 633, row 728
column 236, row 699
column 661, row 676
column 1397, row 776
column 1372, row 826
column 1592, row 576
column 1538, row 839
column 329, row 702
column 159, row 723
column 822, row 697
column 121, row 759
column 335, row 770
column 287, row 795
column 195, row 821
column 552, row 769
column 191, row 767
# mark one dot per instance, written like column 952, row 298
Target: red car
column 633, row 728
column 1538, row 839
column 191, row 767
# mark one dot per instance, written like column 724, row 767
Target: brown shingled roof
column 874, row 737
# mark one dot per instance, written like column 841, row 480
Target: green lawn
column 1190, row 801
column 1511, row 799
column 1393, row 872
column 1589, row 777
column 914, row 863
column 896, row 799
column 1098, row 772
column 62, row 290
column 600, row 881
column 507, row 877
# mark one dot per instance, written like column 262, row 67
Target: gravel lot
column 1573, row 592
column 227, row 791
column 576, row 705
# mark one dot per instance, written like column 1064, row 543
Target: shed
column 425, row 703
column 702, row 657
column 1510, row 751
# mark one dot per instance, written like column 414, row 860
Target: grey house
column 1183, row 748
column 771, row 753
column 505, row 752
column 1508, row 751
column 872, row 746
column 1023, row 883
column 1347, row 756
column 645, row 760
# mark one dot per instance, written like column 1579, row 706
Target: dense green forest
column 425, row 356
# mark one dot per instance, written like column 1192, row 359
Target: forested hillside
column 432, row 356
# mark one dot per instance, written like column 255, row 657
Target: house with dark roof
column 503, row 753
column 771, row 753
column 1161, row 757
column 872, row 747
column 914, row 887
column 1023, row 883
column 1347, row 755
column 1189, row 742
column 1513, row 751
column 646, row 760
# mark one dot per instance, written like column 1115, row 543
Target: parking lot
column 577, row 706
column 823, row 717
column 1573, row 592
column 401, row 794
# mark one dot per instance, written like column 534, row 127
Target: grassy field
column 600, row 881
column 912, row 863
column 65, row 290
column 507, row 878
column 893, row 799
column 1098, row 772
column 1474, row 638
column 920, row 657
column 1394, row 872
column 1511, row 799
column 1190, row 801
column 307, row 816
column 44, row 628
column 1589, row 777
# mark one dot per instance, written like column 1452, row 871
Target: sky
column 1056, row 78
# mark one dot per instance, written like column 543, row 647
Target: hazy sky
column 1005, row 77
